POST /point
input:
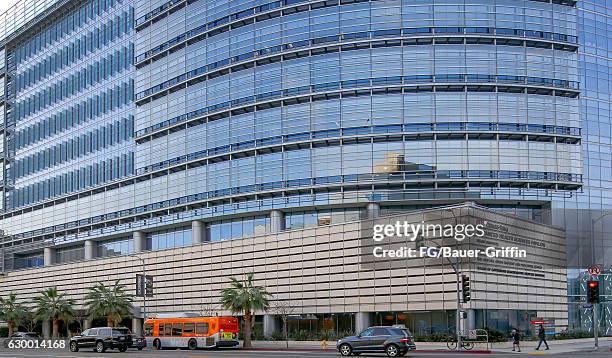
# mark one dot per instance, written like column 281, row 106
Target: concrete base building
column 332, row 281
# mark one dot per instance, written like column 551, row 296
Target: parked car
column 18, row 336
column 101, row 339
column 393, row 341
column 139, row 342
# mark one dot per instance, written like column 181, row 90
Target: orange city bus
column 191, row 332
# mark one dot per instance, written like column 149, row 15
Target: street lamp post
column 144, row 294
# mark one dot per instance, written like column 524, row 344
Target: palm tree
column 12, row 312
column 244, row 297
column 110, row 302
column 54, row 306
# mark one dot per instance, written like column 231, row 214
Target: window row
column 302, row 23
column 73, row 148
column 237, row 228
column 91, row 74
column 69, row 254
column 94, row 73
column 389, row 57
column 308, row 93
column 28, row 260
column 115, row 247
column 152, row 153
column 304, row 219
column 362, row 162
column 98, row 104
column 66, row 24
column 65, row 183
column 163, row 239
column 56, row 222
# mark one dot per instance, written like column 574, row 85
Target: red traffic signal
column 593, row 291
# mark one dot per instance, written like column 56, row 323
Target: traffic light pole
column 596, row 324
column 458, row 323
column 455, row 266
column 144, row 295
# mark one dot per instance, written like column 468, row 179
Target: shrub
column 496, row 336
column 436, row 337
column 327, row 335
column 573, row 335
column 257, row 333
column 278, row 336
column 301, row 335
column 3, row 331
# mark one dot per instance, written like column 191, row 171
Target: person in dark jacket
column 542, row 336
column 516, row 340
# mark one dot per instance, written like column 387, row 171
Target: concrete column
column 90, row 249
column 363, row 320
column 198, row 232
column 86, row 323
column 46, row 329
column 49, row 256
column 373, row 210
column 137, row 326
column 471, row 319
column 140, row 241
column 270, row 326
column 277, row 221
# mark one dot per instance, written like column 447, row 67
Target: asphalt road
column 236, row 353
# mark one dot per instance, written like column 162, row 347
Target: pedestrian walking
column 542, row 336
column 516, row 340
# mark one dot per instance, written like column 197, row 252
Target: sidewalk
column 561, row 346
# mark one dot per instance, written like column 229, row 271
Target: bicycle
column 452, row 344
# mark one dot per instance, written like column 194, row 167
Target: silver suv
column 393, row 341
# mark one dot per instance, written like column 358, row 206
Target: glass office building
column 136, row 125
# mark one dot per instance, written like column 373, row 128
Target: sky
column 5, row 4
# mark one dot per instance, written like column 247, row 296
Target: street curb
column 262, row 349
column 446, row 351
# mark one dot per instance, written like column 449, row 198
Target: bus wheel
column 192, row 345
column 157, row 344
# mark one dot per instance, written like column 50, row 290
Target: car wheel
column 122, row 348
column 392, row 350
column 345, row 349
column 157, row 344
column 74, row 347
column 100, row 347
column 192, row 345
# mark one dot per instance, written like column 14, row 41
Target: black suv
column 393, row 341
column 101, row 339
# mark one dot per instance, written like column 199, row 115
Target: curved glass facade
column 393, row 99
column 70, row 100
column 243, row 107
